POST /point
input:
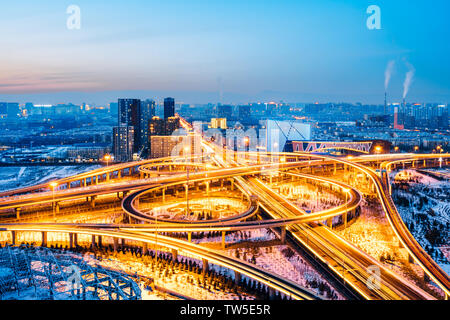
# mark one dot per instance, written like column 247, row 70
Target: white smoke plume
column 408, row 79
column 388, row 74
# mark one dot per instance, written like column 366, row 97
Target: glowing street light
column 107, row 157
column 378, row 149
column 416, row 148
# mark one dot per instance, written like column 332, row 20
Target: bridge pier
column 189, row 236
column 93, row 245
column 164, row 195
column 237, row 277
column 205, row 266
column 283, row 234
column 17, row 210
column 70, row 240
column 75, row 239
column 144, row 247
column 44, row 239
column 174, row 255
column 99, row 241
column 330, row 223
column 207, row 188
column 116, row 244
column 223, row 240
column 91, row 200
column 13, row 237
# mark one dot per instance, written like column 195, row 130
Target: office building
column 169, row 108
column 123, row 140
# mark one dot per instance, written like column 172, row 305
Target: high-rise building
column 146, row 113
column 169, row 108
column 123, row 140
column 130, row 115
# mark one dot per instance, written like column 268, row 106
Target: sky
column 232, row 51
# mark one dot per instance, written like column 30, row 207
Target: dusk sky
column 296, row 51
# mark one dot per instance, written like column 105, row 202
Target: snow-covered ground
column 17, row 177
column 424, row 204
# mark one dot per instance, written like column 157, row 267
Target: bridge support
column 223, row 240
column 164, row 195
column 189, row 236
column 75, row 239
column 13, row 237
column 17, row 210
column 344, row 217
column 44, row 239
column 410, row 258
column 116, row 244
column 93, row 242
column 205, row 266
column 283, row 234
column 144, row 247
column 330, row 223
column 91, row 200
column 174, row 255
column 237, row 277
column 71, row 240
column 99, row 241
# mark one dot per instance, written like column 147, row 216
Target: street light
column 107, row 157
column 53, row 186
column 416, row 148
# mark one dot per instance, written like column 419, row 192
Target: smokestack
column 385, row 104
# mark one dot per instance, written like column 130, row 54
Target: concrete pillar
column 92, row 201
column 283, row 234
column 175, row 254
column 164, row 195
column 119, row 174
column 345, row 219
column 71, row 240
column 237, row 277
column 13, row 237
column 17, row 210
column 330, row 222
column 44, row 239
column 205, row 266
column 232, row 184
column 75, row 239
column 93, row 241
column 144, row 247
column 107, row 176
column 223, row 240
column 116, row 244
column 207, row 188
column 123, row 242
column 68, row 185
column 189, row 236
column 99, row 241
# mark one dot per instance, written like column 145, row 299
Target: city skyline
column 235, row 52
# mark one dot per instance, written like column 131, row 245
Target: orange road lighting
column 283, row 159
column 53, row 185
column 416, row 148
column 378, row 149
